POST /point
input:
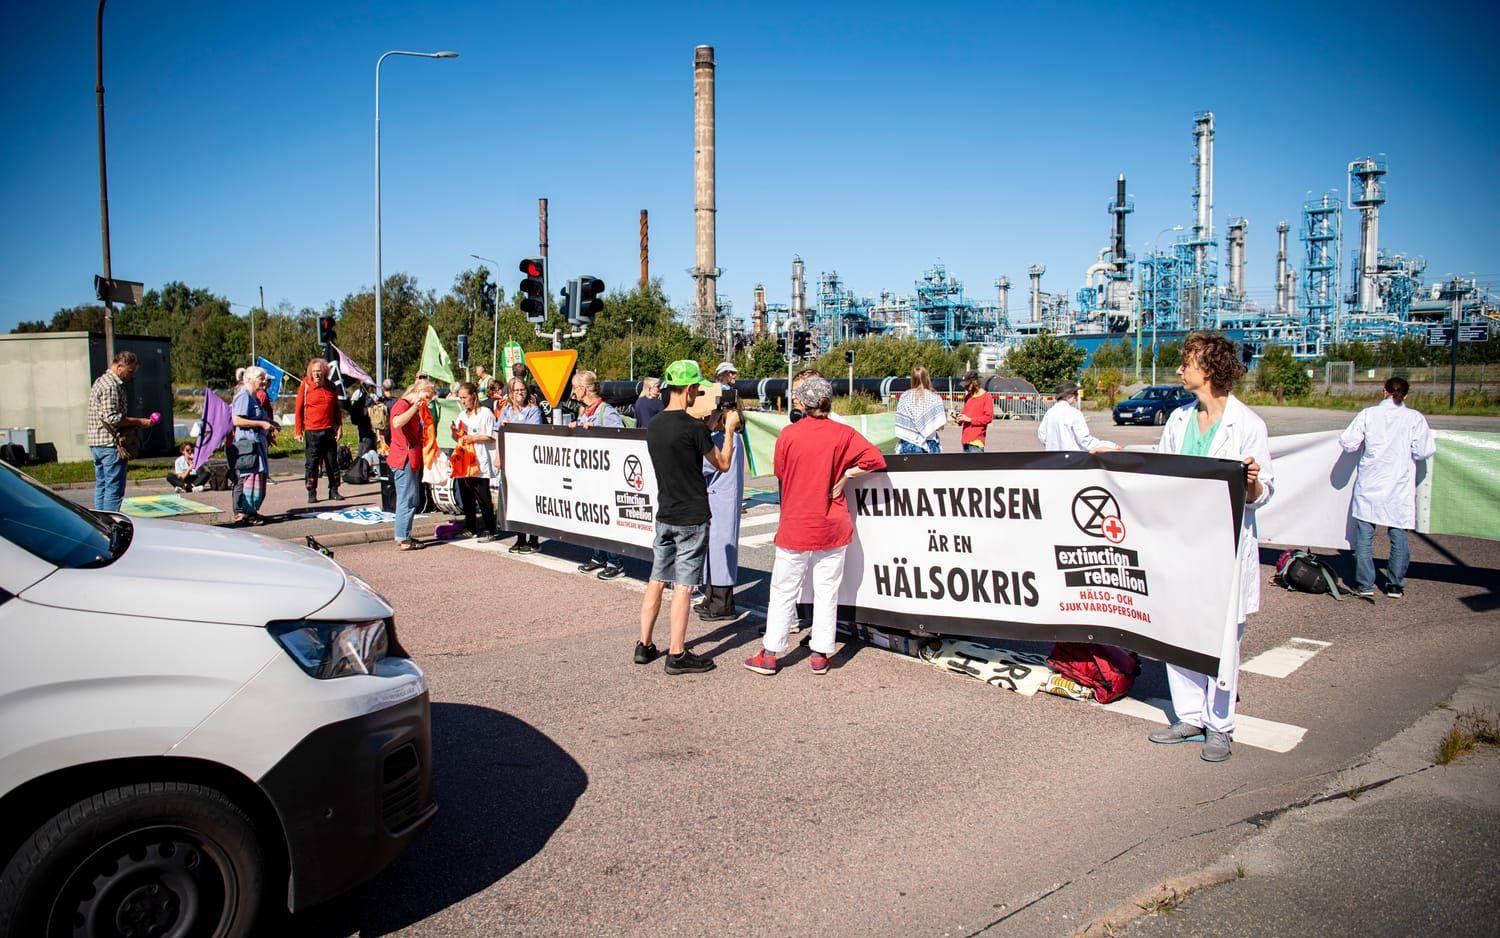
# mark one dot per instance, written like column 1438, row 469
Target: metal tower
column 1366, row 196
column 1322, row 234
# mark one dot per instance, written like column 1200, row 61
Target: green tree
column 1360, row 353
column 1282, row 374
column 881, row 357
column 1169, row 356
column 762, row 360
column 1045, row 360
column 1112, row 355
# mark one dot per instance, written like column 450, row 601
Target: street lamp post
column 1153, row 310
column 109, row 305
column 379, row 323
column 495, row 338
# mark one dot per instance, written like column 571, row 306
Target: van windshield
column 54, row 529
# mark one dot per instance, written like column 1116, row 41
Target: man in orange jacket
column 318, row 423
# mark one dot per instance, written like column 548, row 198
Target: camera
column 729, row 398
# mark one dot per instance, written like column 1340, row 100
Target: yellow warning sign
column 551, row 371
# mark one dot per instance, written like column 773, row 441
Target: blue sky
column 869, row 138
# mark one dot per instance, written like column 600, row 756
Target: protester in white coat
column 1063, row 428
column 1217, row 425
column 1395, row 438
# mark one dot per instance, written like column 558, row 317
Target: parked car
column 1152, row 405
column 196, row 724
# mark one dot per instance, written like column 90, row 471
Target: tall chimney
column 645, row 256
column 1237, row 229
column 1291, row 292
column 1203, row 192
column 705, row 271
column 1003, row 285
column 1281, row 304
column 799, row 292
column 758, row 316
column 1120, row 207
column 1036, row 271
column 1367, row 198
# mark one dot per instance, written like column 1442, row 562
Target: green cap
column 684, row 372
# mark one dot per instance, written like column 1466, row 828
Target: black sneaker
column 334, row 495
column 312, row 498
column 528, row 547
column 589, row 566
column 688, row 663
column 1394, row 592
column 705, row 616
column 610, row 572
column 645, row 654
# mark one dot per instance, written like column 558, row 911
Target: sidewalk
column 1396, row 846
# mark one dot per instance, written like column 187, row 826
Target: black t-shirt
column 677, row 443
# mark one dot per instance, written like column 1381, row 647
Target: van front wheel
column 158, row 858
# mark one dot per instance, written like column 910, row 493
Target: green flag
column 435, row 362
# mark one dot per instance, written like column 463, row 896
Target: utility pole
column 1454, row 290
column 253, row 356
column 109, row 305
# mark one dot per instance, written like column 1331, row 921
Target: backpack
column 218, row 477
column 345, row 459
column 379, row 416
column 1301, row 571
column 358, row 473
column 1108, row 670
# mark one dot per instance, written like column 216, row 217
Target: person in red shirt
column 410, row 426
column 979, row 410
column 318, row 422
column 814, row 458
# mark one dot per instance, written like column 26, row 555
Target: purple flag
column 218, row 422
column 348, row 369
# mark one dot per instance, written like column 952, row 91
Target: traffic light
column 781, row 345
column 570, row 301
column 463, row 349
column 533, row 288
column 801, row 343
column 849, row 356
column 590, row 298
column 326, row 335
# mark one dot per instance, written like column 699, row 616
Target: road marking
column 758, row 521
column 1252, row 731
column 758, row 540
column 1284, row 659
column 546, row 562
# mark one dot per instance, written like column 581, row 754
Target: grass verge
column 1471, row 730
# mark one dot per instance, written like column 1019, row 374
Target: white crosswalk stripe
column 759, row 521
column 1251, row 731
column 1284, row 659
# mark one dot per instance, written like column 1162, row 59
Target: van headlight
column 333, row 649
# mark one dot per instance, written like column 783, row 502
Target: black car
column 1152, row 405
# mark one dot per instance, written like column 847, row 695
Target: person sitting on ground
column 405, row 458
column 677, row 443
column 1394, row 439
column 1217, row 425
column 252, row 433
column 182, row 478
column 920, row 416
column 814, row 458
column 978, row 413
column 475, row 429
column 1064, row 429
column 595, row 411
column 516, row 409
column 649, row 404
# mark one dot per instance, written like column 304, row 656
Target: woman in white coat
column 1217, row 425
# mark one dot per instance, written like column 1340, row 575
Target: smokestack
column 645, row 255
column 1281, row 304
column 758, row 314
column 1367, row 198
column 1036, row 271
column 1291, row 292
column 1003, row 285
column 799, row 291
column 1120, row 207
column 1237, row 229
column 1203, row 192
column 541, row 226
column 706, row 271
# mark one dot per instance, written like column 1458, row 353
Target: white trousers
column 827, row 570
column 1198, row 699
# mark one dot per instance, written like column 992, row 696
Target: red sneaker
column 762, row 663
column 819, row 663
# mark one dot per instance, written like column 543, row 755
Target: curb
column 1163, row 896
column 159, row 483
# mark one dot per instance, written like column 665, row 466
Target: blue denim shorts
column 679, row 552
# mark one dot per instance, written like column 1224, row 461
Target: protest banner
column 1129, row 549
column 594, row 486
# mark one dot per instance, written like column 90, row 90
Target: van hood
column 201, row 573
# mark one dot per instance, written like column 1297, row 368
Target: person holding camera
column 677, row 443
column 595, row 411
column 726, row 493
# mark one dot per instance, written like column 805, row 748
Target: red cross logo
column 1114, row 529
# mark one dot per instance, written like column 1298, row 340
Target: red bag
column 1110, row 671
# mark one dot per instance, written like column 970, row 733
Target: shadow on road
column 1455, row 571
column 502, row 788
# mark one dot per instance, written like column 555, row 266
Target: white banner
column 594, row 487
column 1051, row 547
column 1314, row 486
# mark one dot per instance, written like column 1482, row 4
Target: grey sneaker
column 1177, row 733
column 1217, row 747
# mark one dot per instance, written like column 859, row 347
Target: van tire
column 152, row 851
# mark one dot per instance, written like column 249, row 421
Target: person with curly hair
column 1220, row 426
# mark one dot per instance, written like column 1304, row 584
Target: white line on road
column 757, row 540
column 757, row 521
column 1284, row 659
column 1252, row 731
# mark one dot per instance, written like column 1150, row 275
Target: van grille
column 401, row 788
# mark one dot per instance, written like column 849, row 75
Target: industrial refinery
column 1176, row 287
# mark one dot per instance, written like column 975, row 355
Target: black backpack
column 345, row 458
column 1303, row 572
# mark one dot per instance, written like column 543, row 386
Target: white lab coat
column 1395, row 438
column 1241, row 433
column 1063, row 428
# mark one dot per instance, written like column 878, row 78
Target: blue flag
column 275, row 374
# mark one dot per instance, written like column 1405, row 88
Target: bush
column 1045, row 360
column 1281, row 374
column 1106, row 383
column 857, row 403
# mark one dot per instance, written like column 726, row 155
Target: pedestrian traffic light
column 463, row 349
column 590, row 298
column 801, row 343
column 569, row 305
column 326, row 335
column 849, row 356
column 534, row 289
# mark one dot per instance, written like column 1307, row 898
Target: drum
column 445, row 498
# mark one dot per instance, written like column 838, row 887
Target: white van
column 196, row 724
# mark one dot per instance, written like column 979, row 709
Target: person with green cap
column 678, row 443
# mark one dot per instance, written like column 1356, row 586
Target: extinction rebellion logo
column 1096, row 512
column 635, row 476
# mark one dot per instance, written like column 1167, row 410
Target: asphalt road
column 584, row 794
